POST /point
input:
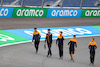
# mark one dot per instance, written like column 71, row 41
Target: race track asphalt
column 23, row 23
column 23, row 55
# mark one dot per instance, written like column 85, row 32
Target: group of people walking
column 72, row 44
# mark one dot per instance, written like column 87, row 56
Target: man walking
column 36, row 39
column 73, row 46
column 92, row 48
column 59, row 43
column 49, row 42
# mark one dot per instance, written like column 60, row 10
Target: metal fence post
column 1, row 3
column 62, row 3
column 42, row 3
column 22, row 3
column 81, row 4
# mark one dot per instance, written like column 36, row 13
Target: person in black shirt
column 49, row 42
column 72, row 47
column 92, row 47
column 59, row 43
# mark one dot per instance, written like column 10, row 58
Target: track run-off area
column 18, row 33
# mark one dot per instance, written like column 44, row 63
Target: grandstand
column 66, row 3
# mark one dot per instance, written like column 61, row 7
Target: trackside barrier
column 29, row 13
column 90, row 13
column 64, row 13
column 6, row 12
column 17, row 12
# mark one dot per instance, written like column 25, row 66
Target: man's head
column 61, row 33
column 92, row 39
column 74, row 36
column 48, row 30
column 35, row 29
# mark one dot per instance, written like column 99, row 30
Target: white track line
column 43, row 40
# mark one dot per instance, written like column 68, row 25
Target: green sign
column 90, row 13
column 8, row 38
column 29, row 12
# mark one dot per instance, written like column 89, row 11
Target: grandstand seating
column 76, row 3
column 66, row 3
column 7, row 2
column 89, row 3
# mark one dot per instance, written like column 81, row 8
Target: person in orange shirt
column 73, row 46
column 59, row 43
column 92, row 47
column 36, row 39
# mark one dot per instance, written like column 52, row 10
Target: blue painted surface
column 67, row 32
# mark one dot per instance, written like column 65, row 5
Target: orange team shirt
column 60, row 37
column 60, row 40
column 35, row 33
column 74, row 40
column 92, row 44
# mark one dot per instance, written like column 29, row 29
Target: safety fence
column 18, row 12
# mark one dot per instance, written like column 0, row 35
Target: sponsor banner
column 29, row 12
column 64, row 13
column 67, row 32
column 6, row 12
column 90, row 13
column 8, row 38
column 10, row 12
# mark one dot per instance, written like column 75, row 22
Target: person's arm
column 33, row 37
column 76, row 45
column 68, row 44
column 95, row 45
column 51, row 38
column 63, row 38
column 39, row 35
column 46, row 38
column 56, row 41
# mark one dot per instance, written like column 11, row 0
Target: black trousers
column 71, row 51
column 60, row 50
column 36, row 44
column 92, row 56
column 49, row 49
